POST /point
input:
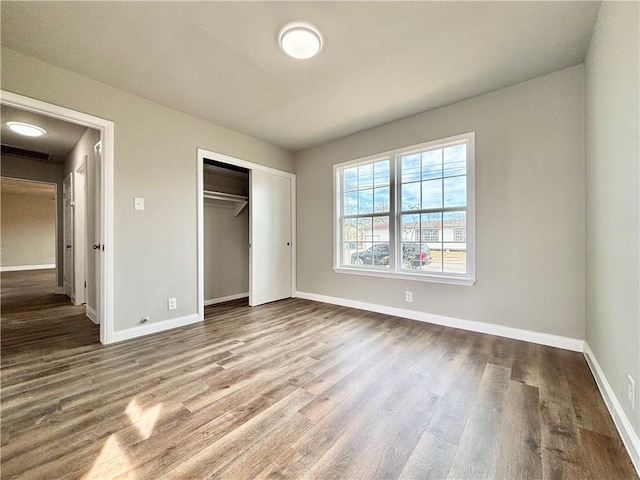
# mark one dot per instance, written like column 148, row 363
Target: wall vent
column 21, row 152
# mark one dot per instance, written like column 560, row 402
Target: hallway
column 33, row 315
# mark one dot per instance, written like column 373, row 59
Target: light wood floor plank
column 477, row 452
column 431, row 459
column 519, row 449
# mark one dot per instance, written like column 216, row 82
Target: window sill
column 447, row 279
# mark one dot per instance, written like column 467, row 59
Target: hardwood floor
column 293, row 389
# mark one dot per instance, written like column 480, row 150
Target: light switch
column 138, row 203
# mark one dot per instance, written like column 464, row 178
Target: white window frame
column 395, row 212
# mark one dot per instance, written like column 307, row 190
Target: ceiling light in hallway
column 26, row 129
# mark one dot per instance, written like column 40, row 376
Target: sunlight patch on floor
column 143, row 419
column 113, row 461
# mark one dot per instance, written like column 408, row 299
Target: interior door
column 269, row 237
column 67, row 192
column 98, row 217
column 79, row 234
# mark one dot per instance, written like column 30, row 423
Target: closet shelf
column 241, row 200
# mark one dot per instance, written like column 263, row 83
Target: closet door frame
column 203, row 154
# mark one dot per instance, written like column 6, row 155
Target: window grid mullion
column 340, row 236
column 366, row 215
column 435, row 210
column 394, row 200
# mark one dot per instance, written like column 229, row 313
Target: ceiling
column 381, row 61
column 11, row 186
column 58, row 142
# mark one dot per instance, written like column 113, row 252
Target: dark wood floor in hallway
column 293, row 389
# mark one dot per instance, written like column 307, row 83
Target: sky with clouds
column 429, row 179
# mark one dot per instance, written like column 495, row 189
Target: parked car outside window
column 413, row 255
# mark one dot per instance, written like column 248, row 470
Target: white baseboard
column 149, row 328
column 20, row 268
column 566, row 343
column 91, row 313
column 228, row 298
column 629, row 436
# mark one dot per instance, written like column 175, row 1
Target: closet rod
column 224, row 196
column 241, row 200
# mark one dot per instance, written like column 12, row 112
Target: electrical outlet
column 172, row 303
column 631, row 391
column 408, row 296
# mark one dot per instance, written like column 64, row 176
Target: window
column 459, row 235
column 365, row 213
column 408, row 212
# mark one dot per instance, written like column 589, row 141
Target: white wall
column 155, row 254
column 612, row 206
column 529, row 207
column 28, row 230
column 83, row 148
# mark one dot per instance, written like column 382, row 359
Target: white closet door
column 270, row 237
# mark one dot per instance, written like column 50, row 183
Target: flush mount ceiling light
column 26, row 129
column 299, row 40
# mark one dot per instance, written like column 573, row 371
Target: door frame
column 68, row 237
column 219, row 157
column 107, row 130
column 80, row 232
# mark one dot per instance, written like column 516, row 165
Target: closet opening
column 246, row 215
column 226, row 232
